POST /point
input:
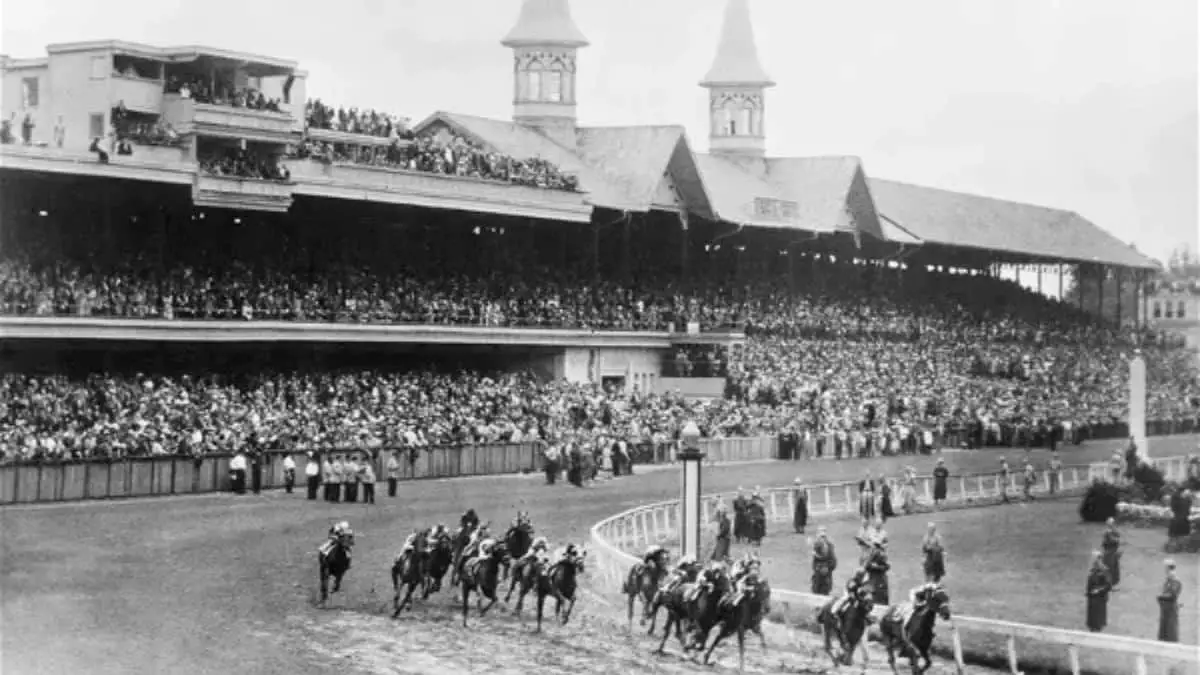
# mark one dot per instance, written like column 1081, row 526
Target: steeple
column 544, row 44
column 736, row 85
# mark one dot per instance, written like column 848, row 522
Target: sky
column 1085, row 105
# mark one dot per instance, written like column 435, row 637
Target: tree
column 1183, row 264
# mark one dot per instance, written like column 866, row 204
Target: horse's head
column 500, row 552
column 939, row 601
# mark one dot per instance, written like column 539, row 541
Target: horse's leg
column 567, row 614
column 491, row 600
column 866, row 655
column 630, row 598
column 741, row 636
column 887, row 641
column 541, row 608
column 713, row 647
column 395, row 592
column 650, row 608
column 324, row 573
column 666, row 632
column 512, row 584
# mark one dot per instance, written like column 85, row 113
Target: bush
column 1148, row 484
column 1100, row 502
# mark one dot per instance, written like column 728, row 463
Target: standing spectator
column 824, row 563
column 724, row 534
column 1111, row 547
column 800, row 510
column 350, row 478
column 866, row 497
column 1168, row 605
column 368, row 480
column 1054, row 472
column 256, row 460
column 1099, row 585
column 336, row 474
column 940, row 475
column 1029, row 477
column 885, row 499
column 935, row 555
column 877, row 567
column 550, row 461
column 327, row 474
column 237, row 473
column 312, row 476
column 393, row 472
column 1003, row 479
column 289, row 473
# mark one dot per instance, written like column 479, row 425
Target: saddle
column 690, row 594
column 326, row 548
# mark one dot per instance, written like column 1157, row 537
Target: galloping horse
column 526, row 574
column 693, row 605
column 849, row 628
column 518, row 538
column 743, row 609
column 560, row 581
column 458, row 545
column 333, row 559
column 439, row 556
column 409, row 570
column 917, row 632
column 483, row 577
column 643, row 581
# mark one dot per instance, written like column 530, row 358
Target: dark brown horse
column 561, row 582
column 518, row 538
column 849, row 628
column 692, row 606
column 482, row 576
column 333, row 559
column 643, row 581
column 408, row 570
column 526, row 572
column 914, row 637
column 742, row 609
column 439, row 556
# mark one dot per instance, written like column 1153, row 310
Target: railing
column 613, row 539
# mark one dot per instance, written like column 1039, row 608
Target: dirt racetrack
column 221, row 583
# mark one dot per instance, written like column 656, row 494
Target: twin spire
column 545, row 42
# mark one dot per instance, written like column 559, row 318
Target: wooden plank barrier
column 617, row 542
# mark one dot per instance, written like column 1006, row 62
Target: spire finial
column 545, row 23
column 737, row 61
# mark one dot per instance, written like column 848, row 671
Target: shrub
column 1100, row 502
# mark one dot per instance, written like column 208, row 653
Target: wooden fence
column 617, row 542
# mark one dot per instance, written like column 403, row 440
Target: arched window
column 1169, row 310
column 1157, row 310
column 728, row 121
column 745, row 127
column 552, row 86
column 534, row 91
column 1181, row 312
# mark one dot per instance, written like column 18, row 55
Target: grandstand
column 158, row 201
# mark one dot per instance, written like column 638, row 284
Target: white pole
column 1137, row 404
column 691, row 457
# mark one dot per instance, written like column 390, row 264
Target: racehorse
column 409, row 570
column 916, row 633
column 518, row 538
column 694, row 605
column 643, row 581
column 526, row 574
column 849, row 628
column 740, row 610
column 462, row 548
column 482, row 577
column 560, row 581
column 438, row 558
column 333, row 559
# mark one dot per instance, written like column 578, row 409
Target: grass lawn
column 1023, row 562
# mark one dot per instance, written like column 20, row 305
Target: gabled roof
column 959, row 219
column 637, row 157
column 830, row 193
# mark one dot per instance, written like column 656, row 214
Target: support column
column 1137, row 403
column 690, row 458
column 1101, row 279
column 1119, row 293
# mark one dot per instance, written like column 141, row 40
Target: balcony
column 138, row 94
column 239, row 193
column 264, row 126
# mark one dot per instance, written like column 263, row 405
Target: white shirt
column 238, row 463
column 289, row 464
column 312, row 469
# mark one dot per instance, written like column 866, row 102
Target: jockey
column 410, row 544
column 653, row 555
column 856, row 587
column 684, row 571
column 485, row 548
column 537, row 550
column 341, row 532
column 921, row 595
column 469, row 520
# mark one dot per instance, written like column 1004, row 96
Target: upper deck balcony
column 189, row 117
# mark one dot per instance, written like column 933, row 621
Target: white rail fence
column 617, row 542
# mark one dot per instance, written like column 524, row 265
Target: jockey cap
column 540, row 542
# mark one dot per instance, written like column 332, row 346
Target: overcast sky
column 1088, row 105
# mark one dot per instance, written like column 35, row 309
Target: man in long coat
column 940, row 475
column 1098, row 587
column 724, row 535
column 877, row 568
column 800, row 510
column 739, row 515
column 824, row 560
column 1112, row 552
column 935, row 555
column 1168, row 606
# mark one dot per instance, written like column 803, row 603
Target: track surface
column 222, row 583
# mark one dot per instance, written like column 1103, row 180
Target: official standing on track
column 289, row 473
column 327, row 475
column 1099, row 585
column 312, row 476
column 824, row 561
column 1168, row 606
column 237, row 473
column 393, row 472
column 350, row 479
column 367, row 474
column 335, row 480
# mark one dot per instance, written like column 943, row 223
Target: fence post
column 1073, row 656
column 958, row 649
column 1012, row 656
column 849, row 500
column 1141, row 665
column 828, row 504
column 962, row 486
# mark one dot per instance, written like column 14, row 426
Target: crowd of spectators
column 873, row 366
column 319, row 115
column 200, row 89
column 242, row 163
